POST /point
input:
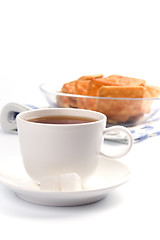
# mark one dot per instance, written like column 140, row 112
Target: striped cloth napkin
column 139, row 133
column 8, row 115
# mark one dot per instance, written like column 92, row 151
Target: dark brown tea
column 61, row 120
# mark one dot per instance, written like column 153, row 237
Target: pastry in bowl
column 122, row 99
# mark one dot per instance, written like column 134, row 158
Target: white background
column 59, row 41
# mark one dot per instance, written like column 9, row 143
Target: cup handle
column 129, row 145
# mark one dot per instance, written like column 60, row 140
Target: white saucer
column 109, row 175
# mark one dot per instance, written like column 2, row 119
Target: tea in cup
column 56, row 141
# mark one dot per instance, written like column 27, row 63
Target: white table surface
column 58, row 41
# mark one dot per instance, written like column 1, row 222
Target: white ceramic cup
column 53, row 149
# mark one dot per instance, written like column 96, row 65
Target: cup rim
column 21, row 116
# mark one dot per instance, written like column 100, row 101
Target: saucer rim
column 122, row 180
